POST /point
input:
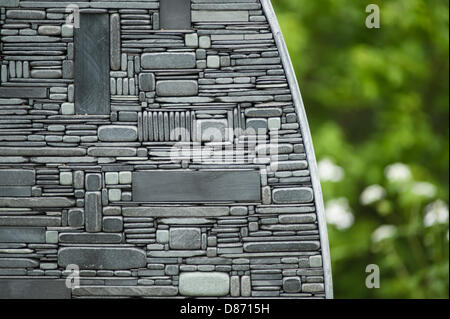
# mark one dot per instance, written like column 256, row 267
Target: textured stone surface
column 34, row 289
column 117, row 133
column 185, row 238
column 153, row 96
column 102, row 258
column 293, row 195
column 134, row 291
column 204, row 284
column 292, row 284
column 160, row 186
column 176, row 88
column 22, row 234
column 92, row 64
column 168, row 60
column 282, row 246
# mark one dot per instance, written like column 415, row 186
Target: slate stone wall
column 88, row 172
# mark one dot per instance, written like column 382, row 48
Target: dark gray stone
column 134, row 291
column 115, row 41
column 117, row 133
column 196, row 186
column 281, row 246
column 292, row 284
column 17, row 177
column 84, row 238
column 34, row 289
column 168, row 60
column 297, row 219
column 112, row 224
column 48, row 221
column 18, row 263
column 75, row 217
column 23, row 92
column 15, row 191
column 93, row 182
column 22, row 235
column 93, row 211
column 92, row 57
column 147, row 82
column 36, row 202
column 175, row 15
column 185, row 238
column 102, row 258
column 263, row 112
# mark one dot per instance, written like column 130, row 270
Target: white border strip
column 300, row 108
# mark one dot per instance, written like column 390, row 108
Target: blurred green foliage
column 375, row 97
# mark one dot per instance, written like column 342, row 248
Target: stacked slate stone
column 88, row 177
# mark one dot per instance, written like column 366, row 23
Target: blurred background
column 377, row 102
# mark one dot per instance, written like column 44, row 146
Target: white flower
column 328, row 171
column 383, row 232
column 398, row 172
column 424, row 189
column 436, row 213
column 372, row 194
column 339, row 213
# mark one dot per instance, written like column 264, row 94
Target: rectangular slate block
column 23, row 92
column 17, row 177
column 168, row 60
column 175, row 211
column 219, row 16
column 92, row 57
column 175, row 14
column 196, row 186
column 93, row 211
column 15, row 191
column 102, row 257
column 34, row 289
column 22, row 235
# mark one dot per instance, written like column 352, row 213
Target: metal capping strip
column 304, row 126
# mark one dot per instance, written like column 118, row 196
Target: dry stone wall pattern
column 161, row 162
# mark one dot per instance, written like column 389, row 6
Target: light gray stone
column 209, row 284
column 235, row 289
column 114, row 25
column 263, row 112
column 10, row 3
column 168, row 60
column 26, row 14
column 315, row 261
column 102, row 258
column 292, row 195
column 213, row 61
column 162, row 236
column 65, row 178
column 67, row 108
column 281, row 246
column 46, row 74
column 37, row 202
column 117, row 133
column 297, row 219
column 313, row 288
column 49, row 30
column 246, row 289
column 212, row 130
column 185, row 238
column 175, row 211
column 215, row 16
column 205, row 42
column 125, row 177
column 288, row 165
column 177, row 88
column 18, row 263
column 112, row 178
column 114, row 194
column 51, row 237
column 191, row 40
